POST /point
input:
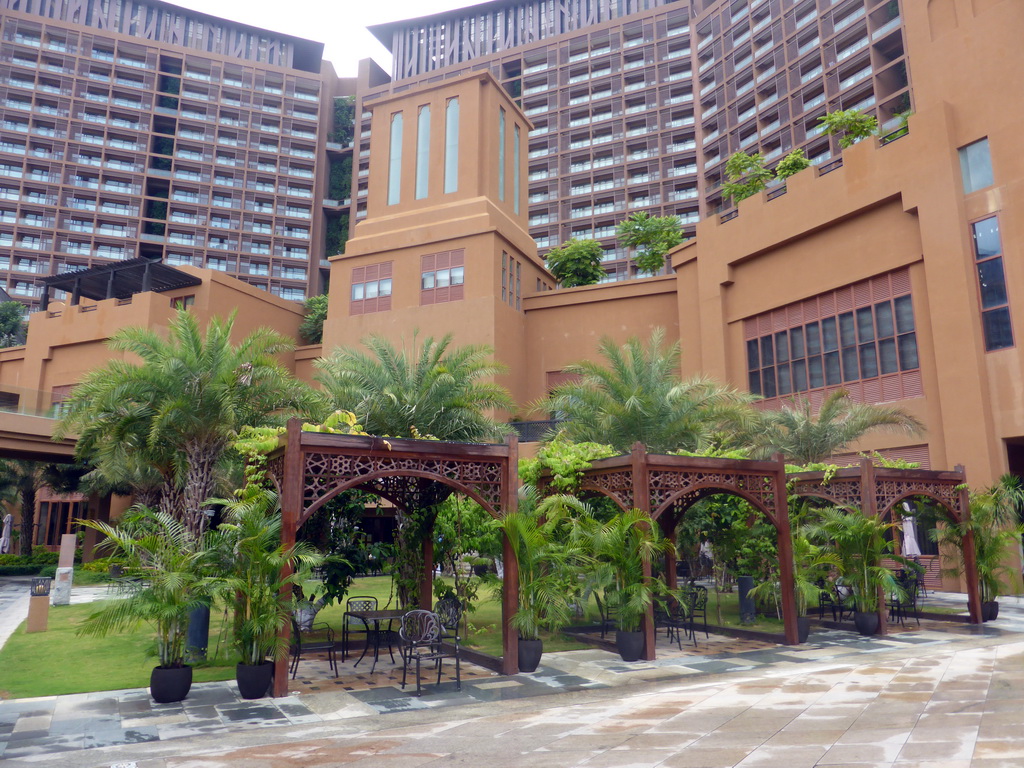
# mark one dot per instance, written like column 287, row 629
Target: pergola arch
column 367, row 483
column 310, row 468
column 877, row 490
column 657, row 483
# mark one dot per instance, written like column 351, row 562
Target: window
column 423, row 153
column 183, row 302
column 371, row 289
column 395, row 161
column 995, row 305
column 442, row 276
column 515, row 171
column 501, row 154
column 976, row 166
column 870, row 346
column 451, row 146
column 511, row 281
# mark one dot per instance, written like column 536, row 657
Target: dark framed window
column 995, row 302
column 442, row 276
column 867, row 341
column 371, row 289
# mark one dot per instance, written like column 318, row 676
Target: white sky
column 340, row 25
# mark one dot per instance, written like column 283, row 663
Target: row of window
column 872, row 340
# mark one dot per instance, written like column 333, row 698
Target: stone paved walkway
column 741, row 701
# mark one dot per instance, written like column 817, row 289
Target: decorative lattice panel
column 841, row 492
column 618, row 484
column 683, row 487
column 892, row 490
column 416, row 482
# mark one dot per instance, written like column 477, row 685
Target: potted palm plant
column 172, row 562
column 997, row 534
column 256, row 567
column 859, row 543
column 620, row 548
column 547, row 562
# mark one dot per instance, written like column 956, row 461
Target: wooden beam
column 291, row 510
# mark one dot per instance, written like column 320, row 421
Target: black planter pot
column 990, row 610
column 529, row 654
column 866, row 623
column 630, row 645
column 254, row 679
column 169, row 684
column 803, row 628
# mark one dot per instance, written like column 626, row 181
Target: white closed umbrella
column 5, row 537
column 910, row 546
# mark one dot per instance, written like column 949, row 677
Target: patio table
column 376, row 617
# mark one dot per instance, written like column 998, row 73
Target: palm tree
column 438, row 390
column 804, row 438
column 635, row 394
column 169, row 420
column 20, row 480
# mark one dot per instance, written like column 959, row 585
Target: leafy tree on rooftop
column 652, row 237
column 576, row 262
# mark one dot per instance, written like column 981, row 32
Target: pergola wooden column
column 666, row 486
column 310, row 468
column 877, row 490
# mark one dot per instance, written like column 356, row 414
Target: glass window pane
column 815, row 373
column 998, row 334
column 829, row 339
column 442, row 278
column 501, row 153
column 451, row 146
column 781, row 347
column 767, row 356
column 813, row 339
column 458, row 275
column 992, row 282
column 423, row 153
column 904, row 314
column 428, row 281
column 782, row 371
column 385, row 287
column 395, row 161
column 865, row 325
column 986, row 238
column 847, row 334
column 754, row 382
column 883, row 319
column 851, row 370
column 800, row 375
column 908, row 352
column 357, row 291
column 516, row 180
column 796, row 343
column 976, row 166
column 832, row 375
column 868, row 361
column 887, row 356
column 371, row 289
column 753, row 359
column 768, row 382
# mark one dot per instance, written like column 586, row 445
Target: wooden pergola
column 667, row 486
column 310, row 468
column 877, row 490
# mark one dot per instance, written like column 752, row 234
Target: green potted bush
column 620, row 548
column 859, row 543
column 256, row 567
column 548, row 565
column 172, row 562
column 997, row 534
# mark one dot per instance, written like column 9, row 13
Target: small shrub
column 14, row 560
column 42, row 556
column 48, row 571
column 19, row 570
